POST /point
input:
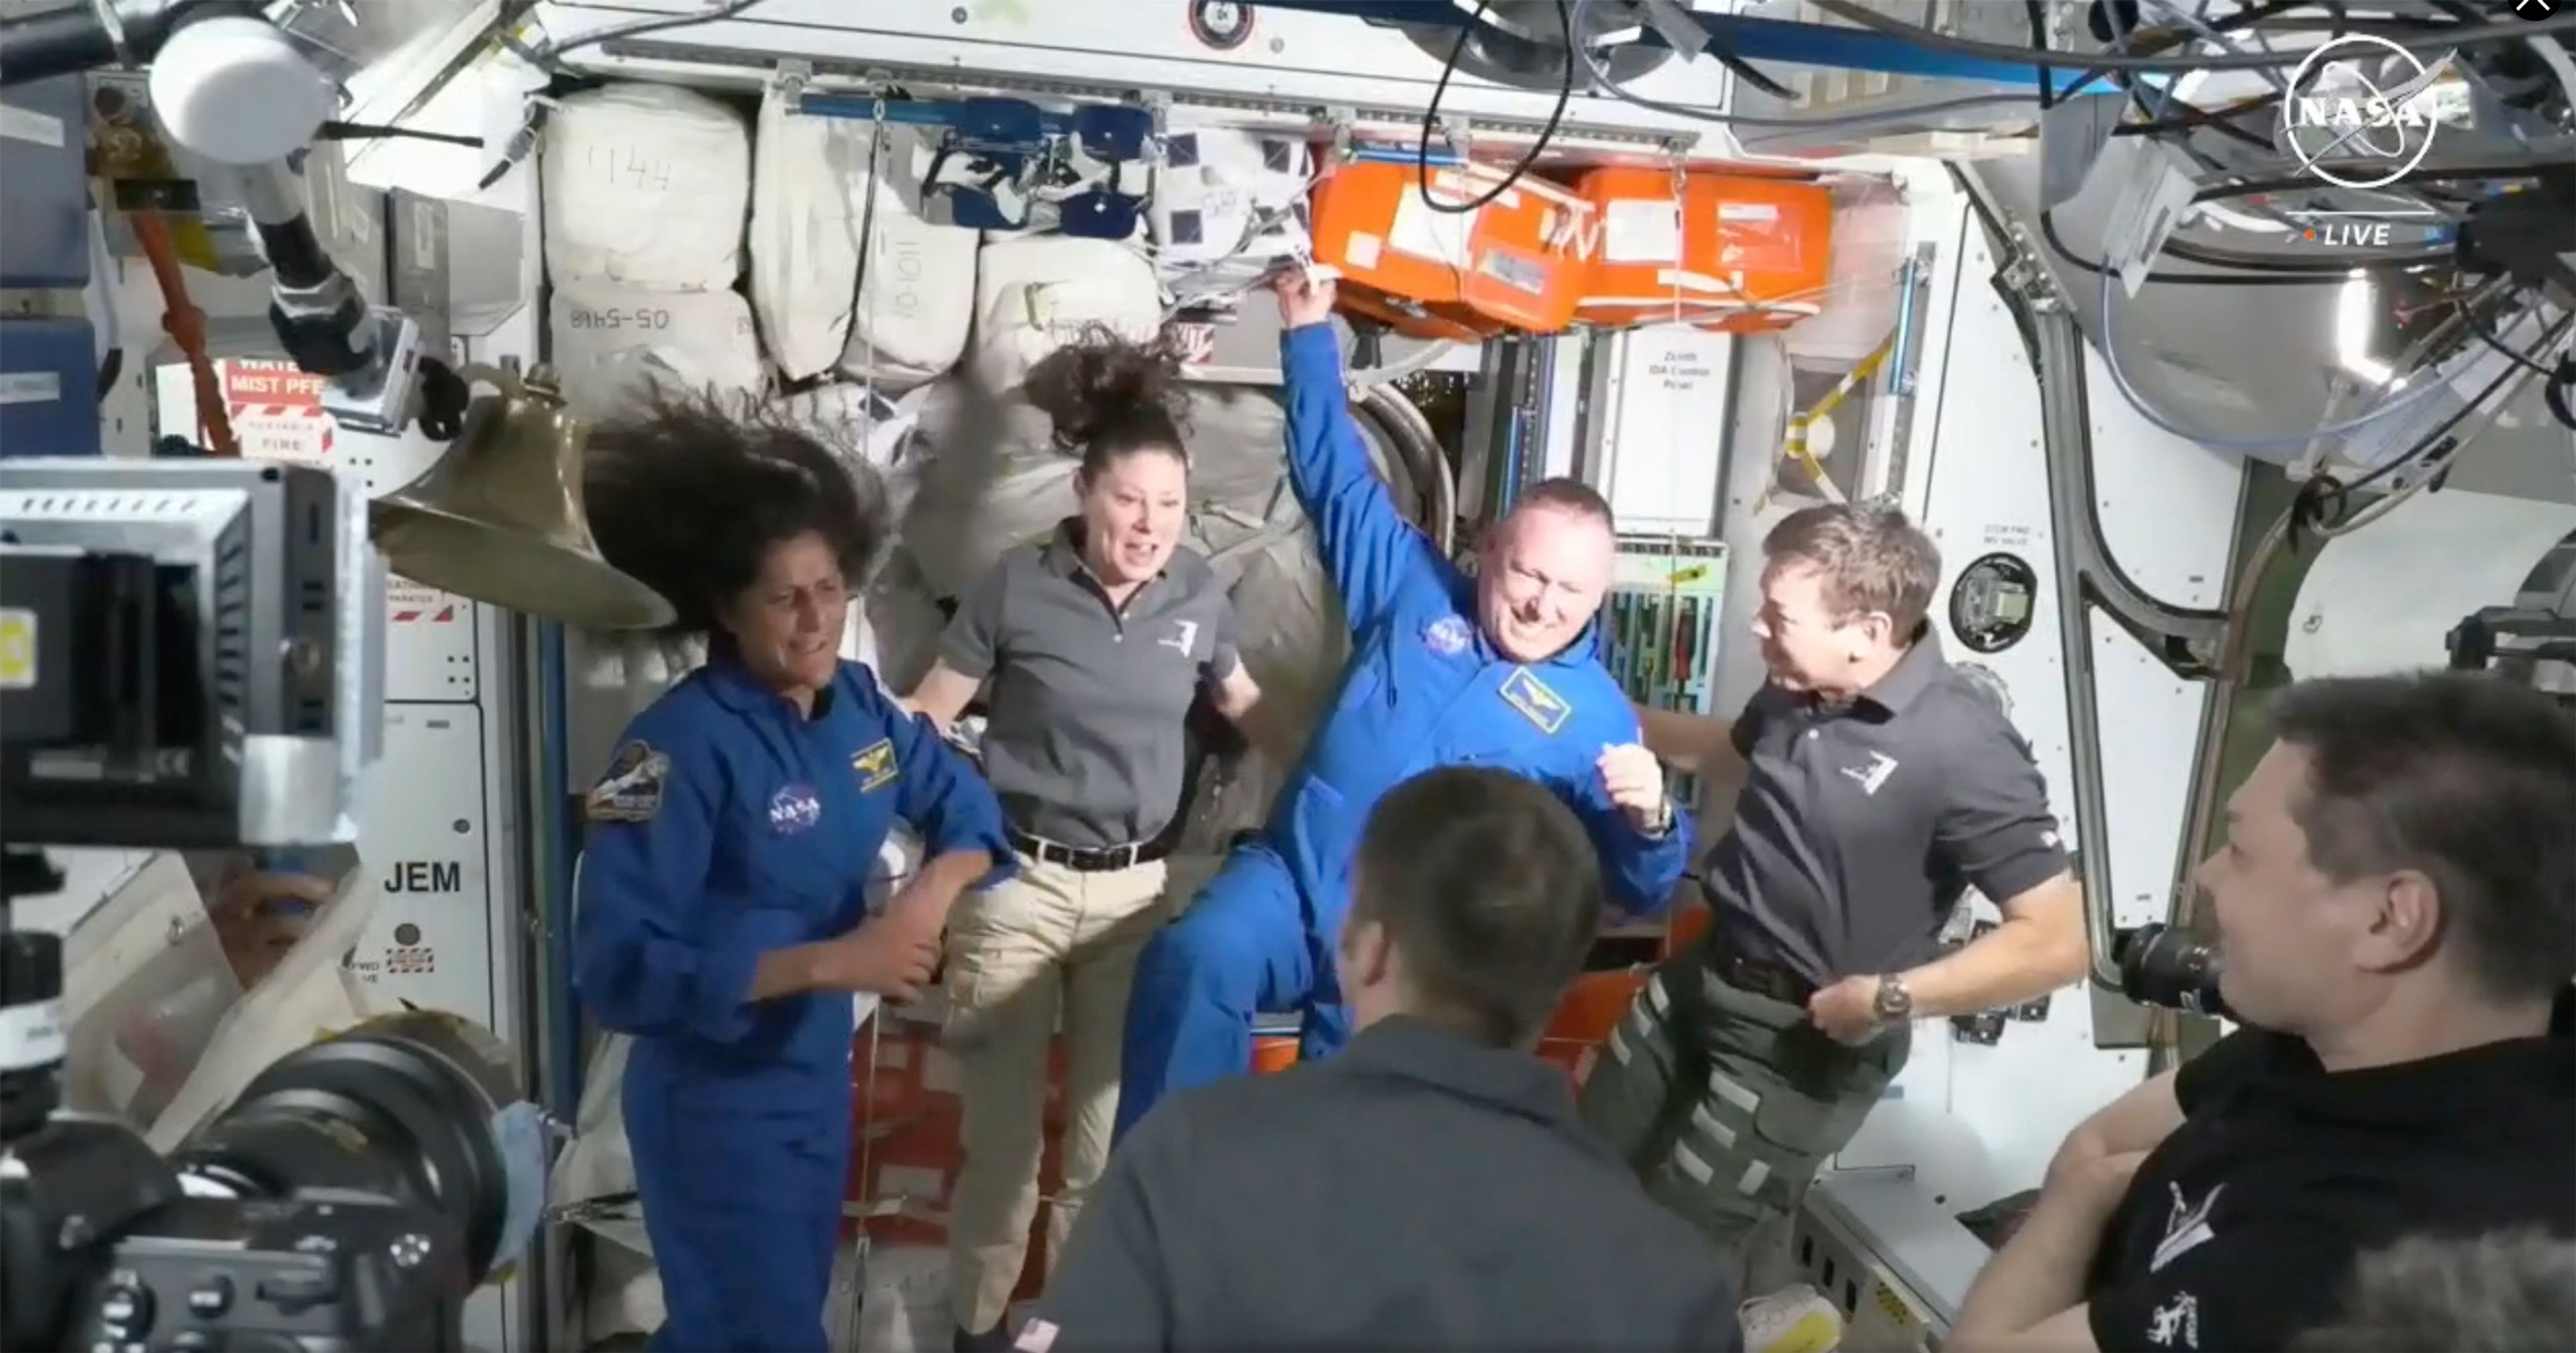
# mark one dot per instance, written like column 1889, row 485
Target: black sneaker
column 994, row 1340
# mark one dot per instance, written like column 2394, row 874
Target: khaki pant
column 1048, row 943
column 1726, row 1101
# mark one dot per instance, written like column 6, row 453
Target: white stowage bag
column 609, row 342
column 646, row 186
column 615, row 676
column 917, row 284
column 1035, row 294
column 1227, row 204
column 865, row 425
column 992, row 477
column 804, row 232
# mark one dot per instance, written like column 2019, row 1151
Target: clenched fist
column 1304, row 298
column 1634, row 780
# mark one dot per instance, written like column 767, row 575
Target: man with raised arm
column 1502, row 670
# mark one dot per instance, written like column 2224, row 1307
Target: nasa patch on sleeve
column 1448, row 636
column 631, row 791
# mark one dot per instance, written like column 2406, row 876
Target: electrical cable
column 2412, row 39
column 548, row 55
column 2435, row 445
column 1603, row 83
column 1431, row 117
column 2036, row 15
column 2167, row 101
column 2169, row 106
column 2486, row 334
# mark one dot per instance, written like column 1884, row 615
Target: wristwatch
column 1893, row 1004
column 1662, row 826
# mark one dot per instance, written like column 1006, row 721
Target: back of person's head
column 2402, row 829
column 695, row 496
column 1476, row 897
column 2513, row 1292
column 1110, row 397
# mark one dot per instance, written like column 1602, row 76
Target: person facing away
column 721, row 910
column 1502, row 670
column 1878, row 784
column 2396, row 921
column 1429, row 1187
column 1091, row 646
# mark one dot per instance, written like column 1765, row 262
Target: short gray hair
column 2506, row 1292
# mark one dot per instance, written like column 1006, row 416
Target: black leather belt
column 1763, row 978
column 1097, row 860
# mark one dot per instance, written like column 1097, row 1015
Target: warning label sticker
column 409, row 603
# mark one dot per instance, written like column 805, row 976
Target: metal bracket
column 2189, row 642
column 1344, row 143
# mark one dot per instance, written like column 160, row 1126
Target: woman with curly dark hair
column 1091, row 645
column 722, row 915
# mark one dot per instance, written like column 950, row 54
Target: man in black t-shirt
column 2396, row 911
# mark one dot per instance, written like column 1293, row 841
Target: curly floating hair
column 1110, row 397
column 690, row 492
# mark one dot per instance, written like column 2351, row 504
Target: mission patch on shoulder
column 631, row 791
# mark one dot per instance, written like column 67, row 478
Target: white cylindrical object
column 235, row 90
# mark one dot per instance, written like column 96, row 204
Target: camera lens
column 2162, row 965
column 416, row 1108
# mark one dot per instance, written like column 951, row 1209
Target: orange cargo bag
column 1741, row 254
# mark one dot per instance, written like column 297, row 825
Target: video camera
column 188, row 654
column 2168, row 966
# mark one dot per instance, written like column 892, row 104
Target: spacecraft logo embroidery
column 631, row 791
column 1523, row 691
column 1448, row 636
column 2186, row 1226
column 876, row 765
column 794, row 809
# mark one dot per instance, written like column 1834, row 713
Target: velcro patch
column 631, row 791
column 875, row 764
column 1523, row 691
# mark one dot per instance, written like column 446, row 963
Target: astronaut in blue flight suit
column 1502, row 670
column 721, row 915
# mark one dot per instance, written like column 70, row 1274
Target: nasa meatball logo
column 794, row 809
column 1447, row 636
column 2360, row 111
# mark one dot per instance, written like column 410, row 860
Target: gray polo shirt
column 1861, row 824
column 1083, row 737
column 1417, row 1191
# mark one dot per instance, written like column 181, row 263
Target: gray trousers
column 1725, row 1102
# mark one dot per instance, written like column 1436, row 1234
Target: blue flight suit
column 1423, row 688
column 730, row 824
